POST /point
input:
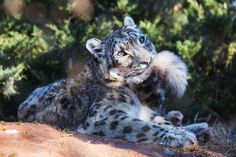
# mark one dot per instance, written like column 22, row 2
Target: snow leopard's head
column 123, row 54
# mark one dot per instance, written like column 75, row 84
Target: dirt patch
column 37, row 140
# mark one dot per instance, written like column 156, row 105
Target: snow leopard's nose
column 144, row 59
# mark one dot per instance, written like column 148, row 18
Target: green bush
column 201, row 32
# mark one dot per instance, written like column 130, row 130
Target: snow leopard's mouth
column 137, row 70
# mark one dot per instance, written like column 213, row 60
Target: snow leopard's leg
column 201, row 130
column 54, row 105
column 176, row 117
column 106, row 120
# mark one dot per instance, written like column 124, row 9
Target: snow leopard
column 118, row 93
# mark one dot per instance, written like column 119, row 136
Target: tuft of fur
column 169, row 68
column 172, row 70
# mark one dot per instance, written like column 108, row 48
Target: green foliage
column 26, row 38
column 188, row 49
column 62, row 36
column 201, row 32
column 125, row 7
column 8, row 77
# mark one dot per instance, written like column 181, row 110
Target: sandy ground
column 38, row 140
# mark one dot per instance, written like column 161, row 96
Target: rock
column 39, row 140
column 83, row 9
column 14, row 8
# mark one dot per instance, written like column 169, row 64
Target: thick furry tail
column 172, row 70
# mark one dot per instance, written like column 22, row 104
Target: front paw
column 206, row 135
column 180, row 138
column 175, row 117
column 202, row 130
column 190, row 142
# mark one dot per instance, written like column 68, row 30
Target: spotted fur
column 106, row 99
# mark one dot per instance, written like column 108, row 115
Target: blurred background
column 42, row 41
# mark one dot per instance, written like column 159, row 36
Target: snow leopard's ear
column 94, row 47
column 129, row 22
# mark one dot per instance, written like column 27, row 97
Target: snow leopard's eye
column 122, row 53
column 142, row 39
